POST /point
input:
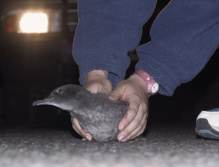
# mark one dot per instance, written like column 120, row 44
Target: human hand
column 134, row 91
column 77, row 127
column 95, row 81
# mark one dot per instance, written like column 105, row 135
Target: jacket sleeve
column 184, row 36
column 107, row 30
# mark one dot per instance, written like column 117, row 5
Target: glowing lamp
column 34, row 23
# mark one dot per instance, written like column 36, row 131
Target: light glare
column 34, row 23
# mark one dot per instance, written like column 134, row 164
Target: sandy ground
column 163, row 146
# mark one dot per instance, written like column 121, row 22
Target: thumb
column 115, row 95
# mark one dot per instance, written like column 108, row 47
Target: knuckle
column 127, row 132
column 142, row 127
column 144, row 106
column 137, row 98
column 140, row 133
column 123, row 124
column 134, row 102
column 132, row 111
column 136, row 122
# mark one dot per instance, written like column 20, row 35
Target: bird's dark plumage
column 96, row 113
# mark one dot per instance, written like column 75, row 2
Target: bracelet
column 152, row 85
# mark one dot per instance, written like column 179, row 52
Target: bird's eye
column 59, row 91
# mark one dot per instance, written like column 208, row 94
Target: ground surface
column 163, row 146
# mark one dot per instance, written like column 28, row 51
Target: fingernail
column 121, row 138
column 88, row 137
column 121, row 127
column 124, row 140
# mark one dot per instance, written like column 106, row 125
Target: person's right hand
column 95, row 81
column 134, row 91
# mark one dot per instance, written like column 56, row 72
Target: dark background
column 32, row 66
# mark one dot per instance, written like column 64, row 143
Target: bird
column 96, row 113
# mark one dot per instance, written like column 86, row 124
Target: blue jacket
column 183, row 38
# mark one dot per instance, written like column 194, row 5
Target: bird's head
column 62, row 97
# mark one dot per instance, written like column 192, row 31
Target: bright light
column 34, row 23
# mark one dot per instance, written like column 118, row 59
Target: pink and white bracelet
column 152, row 85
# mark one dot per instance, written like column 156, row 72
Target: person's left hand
column 134, row 91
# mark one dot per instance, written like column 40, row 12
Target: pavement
column 165, row 145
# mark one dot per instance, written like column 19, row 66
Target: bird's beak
column 46, row 101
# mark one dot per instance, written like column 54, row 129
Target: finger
column 98, row 88
column 106, row 91
column 144, row 127
column 92, row 88
column 143, row 123
column 76, row 130
column 130, row 132
column 77, row 127
column 117, row 94
column 141, row 132
column 114, row 96
column 133, row 127
column 131, row 113
column 141, row 129
column 81, row 131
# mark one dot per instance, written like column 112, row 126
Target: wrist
column 140, row 82
column 151, row 85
